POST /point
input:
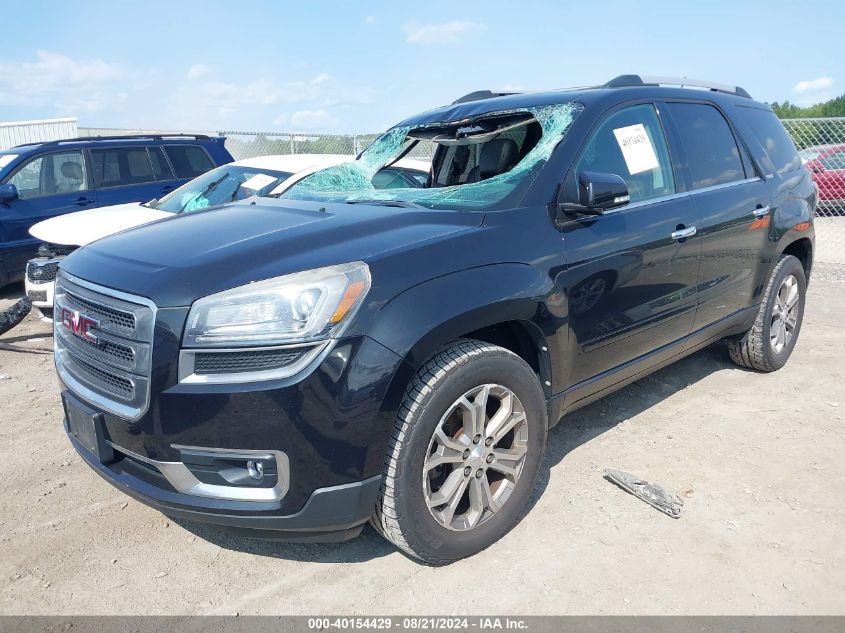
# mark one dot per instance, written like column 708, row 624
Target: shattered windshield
column 219, row 186
column 476, row 162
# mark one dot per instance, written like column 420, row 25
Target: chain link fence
column 821, row 143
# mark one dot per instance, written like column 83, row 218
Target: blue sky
column 362, row 66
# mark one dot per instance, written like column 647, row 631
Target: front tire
column 465, row 453
column 770, row 341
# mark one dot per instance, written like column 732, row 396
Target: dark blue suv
column 292, row 368
column 41, row 180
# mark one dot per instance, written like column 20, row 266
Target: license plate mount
column 86, row 426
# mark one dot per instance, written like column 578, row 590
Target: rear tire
column 447, row 427
column 770, row 341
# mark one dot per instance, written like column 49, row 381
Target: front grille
column 258, row 360
column 111, row 382
column 103, row 345
column 119, row 319
column 42, row 271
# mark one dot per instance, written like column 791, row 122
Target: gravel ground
column 756, row 457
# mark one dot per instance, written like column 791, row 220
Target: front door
column 48, row 185
column 633, row 271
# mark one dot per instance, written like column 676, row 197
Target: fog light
column 255, row 469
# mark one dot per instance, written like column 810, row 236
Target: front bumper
column 40, row 280
column 41, row 294
column 332, row 426
column 331, row 514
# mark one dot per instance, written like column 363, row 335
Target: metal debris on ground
column 652, row 494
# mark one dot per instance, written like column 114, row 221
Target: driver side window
column 630, row 143
column 61, row 172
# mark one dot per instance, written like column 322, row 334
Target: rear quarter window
column 189, row 161
column 771, row 135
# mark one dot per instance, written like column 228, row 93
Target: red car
column 827, row 164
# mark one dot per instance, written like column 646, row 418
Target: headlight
column 294, row 308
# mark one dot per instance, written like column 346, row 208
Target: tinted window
column 117, row 166
column 189, row 161
column 630, row 143
column 47, row 175
column 711, row 150
column 775, row 141
column 834, row 161
column 161, row 170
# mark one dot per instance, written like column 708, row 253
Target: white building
column 19, row 132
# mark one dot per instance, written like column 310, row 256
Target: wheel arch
column 802, row 249
column 505, row 307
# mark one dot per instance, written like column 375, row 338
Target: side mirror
column 601, row 192
column 8, row 193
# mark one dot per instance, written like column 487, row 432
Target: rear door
column 732, row 203
column 632, row 276
column 127, row 174
column 48, row 185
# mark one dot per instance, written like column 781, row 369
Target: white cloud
column 812, row 91
column 813, row 85
column 196, row 71
column 312, row 120
column 54, row 77
column 451, row 31
column 370, row 19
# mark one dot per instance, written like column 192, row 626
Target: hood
column 83, row 227
column 178, row 260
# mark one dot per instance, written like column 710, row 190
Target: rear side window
column 118, row 166
column 161, row 170
column 711, row 150
column 775, row 141
column 189, row 161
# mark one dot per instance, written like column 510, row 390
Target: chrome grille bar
column 108, row 359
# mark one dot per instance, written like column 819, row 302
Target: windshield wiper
column 388, row 203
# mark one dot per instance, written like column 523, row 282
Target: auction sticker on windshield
column 636, row 148
column 258, row 182
column 5, row 159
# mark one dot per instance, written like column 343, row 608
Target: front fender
column 424, row 318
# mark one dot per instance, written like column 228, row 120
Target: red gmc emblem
column 80, row 324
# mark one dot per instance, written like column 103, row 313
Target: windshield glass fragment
column 475, row 163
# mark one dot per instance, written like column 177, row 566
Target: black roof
column 622, row 88
column 84, row 140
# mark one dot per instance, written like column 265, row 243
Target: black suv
column 293, row 368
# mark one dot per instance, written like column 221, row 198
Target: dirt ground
column 757, row 457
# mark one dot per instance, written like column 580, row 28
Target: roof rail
column 478, row 95
column 623, row 81
column 118, row 137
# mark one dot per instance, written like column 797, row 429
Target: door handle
column 682, row 234
column 81, row 202
column 759, row 212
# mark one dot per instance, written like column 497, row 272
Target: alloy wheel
column 784, row 315
column 475, row 457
